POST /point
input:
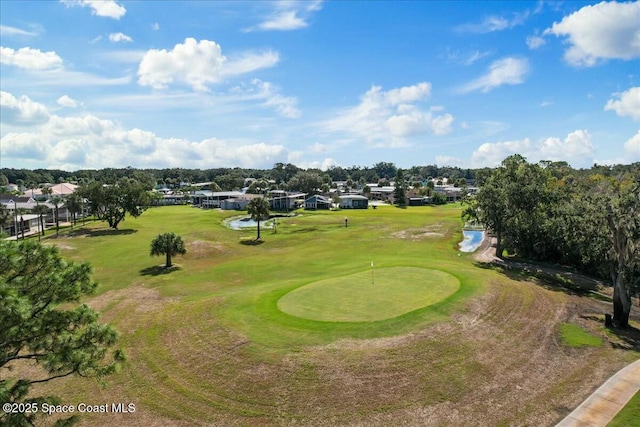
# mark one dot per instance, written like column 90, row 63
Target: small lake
column 472, row 239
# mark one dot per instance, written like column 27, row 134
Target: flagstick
column 372, row 272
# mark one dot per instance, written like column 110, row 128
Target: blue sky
column 206, row 84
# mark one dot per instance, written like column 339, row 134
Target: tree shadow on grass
column 158, row 270
column 629, row 339
column 251, row 242
column 572, row 284
column 87, row 232
column 567, row 282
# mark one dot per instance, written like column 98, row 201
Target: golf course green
column 376, row 294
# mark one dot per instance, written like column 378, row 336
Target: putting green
column 355, row 298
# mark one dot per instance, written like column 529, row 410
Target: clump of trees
column 40, row 323
column 550, row 212
column 111, row 202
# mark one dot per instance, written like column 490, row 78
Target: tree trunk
column 621, row 303
column 499, row 245
column 168, row 263
column 258, row 238
column 41, row 225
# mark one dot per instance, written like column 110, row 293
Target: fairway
column 371, row 295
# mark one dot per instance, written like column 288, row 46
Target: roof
column 207, row 193
column 62, row 189
column 319, row 198
column 353, row 197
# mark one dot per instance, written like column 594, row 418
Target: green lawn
column 267, row 334
column 574, row 336
column 376, row 294
column 629, row 416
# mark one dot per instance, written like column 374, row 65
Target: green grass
column 574, row 336
column 371, row 295
column 629, row 416
column 209, row 342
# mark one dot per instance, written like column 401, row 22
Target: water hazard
column 472, row 239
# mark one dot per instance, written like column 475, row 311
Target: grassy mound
column 372, row 295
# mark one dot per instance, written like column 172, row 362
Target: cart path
column 603, row 405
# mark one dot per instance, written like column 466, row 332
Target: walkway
column 603, row 405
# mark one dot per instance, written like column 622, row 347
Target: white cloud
column 21, row 111
column 155, row 26
column 576, row 147
column 64, row 78
column 67, row 101
column 248, row 62
column 13, row 31
column 119, row 37
column 628, row 103
column 74, row 142
column 441, row 125
column 390, row 118
column 535, row 42
column 269, row 96
column 449, row 161
column 104, row 8
column 24, row 146
column 466, row 58
column 289, row 15
column 606, row 30
column 30, row 59
column 494, row 23
column 505, row 71
column 197, row 64
column 632, row 147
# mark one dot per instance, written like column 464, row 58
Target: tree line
column 587, row 219
column 232, row 178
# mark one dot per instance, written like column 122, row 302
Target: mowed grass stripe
column 371, row 295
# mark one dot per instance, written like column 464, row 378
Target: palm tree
column 74, row 205
column 258, row 208
column 168, row 244
column 46, row 191
column 21, row 212
column 57, row 201
column 41, row 210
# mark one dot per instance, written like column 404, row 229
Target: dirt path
column 486, row 253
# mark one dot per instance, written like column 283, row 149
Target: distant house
column 354, row 201
column 212, row 199
column 173, row 199
column 10, row 198
column 317, row 202
column 237, row 204
column 285, row 200
column 62, row 189
column 381, row 193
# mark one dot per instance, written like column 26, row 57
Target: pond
column 472, row 239
column 246, row 222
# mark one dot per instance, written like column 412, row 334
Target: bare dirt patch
column 203, row 249
column 136, row 298
column 432, row 231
